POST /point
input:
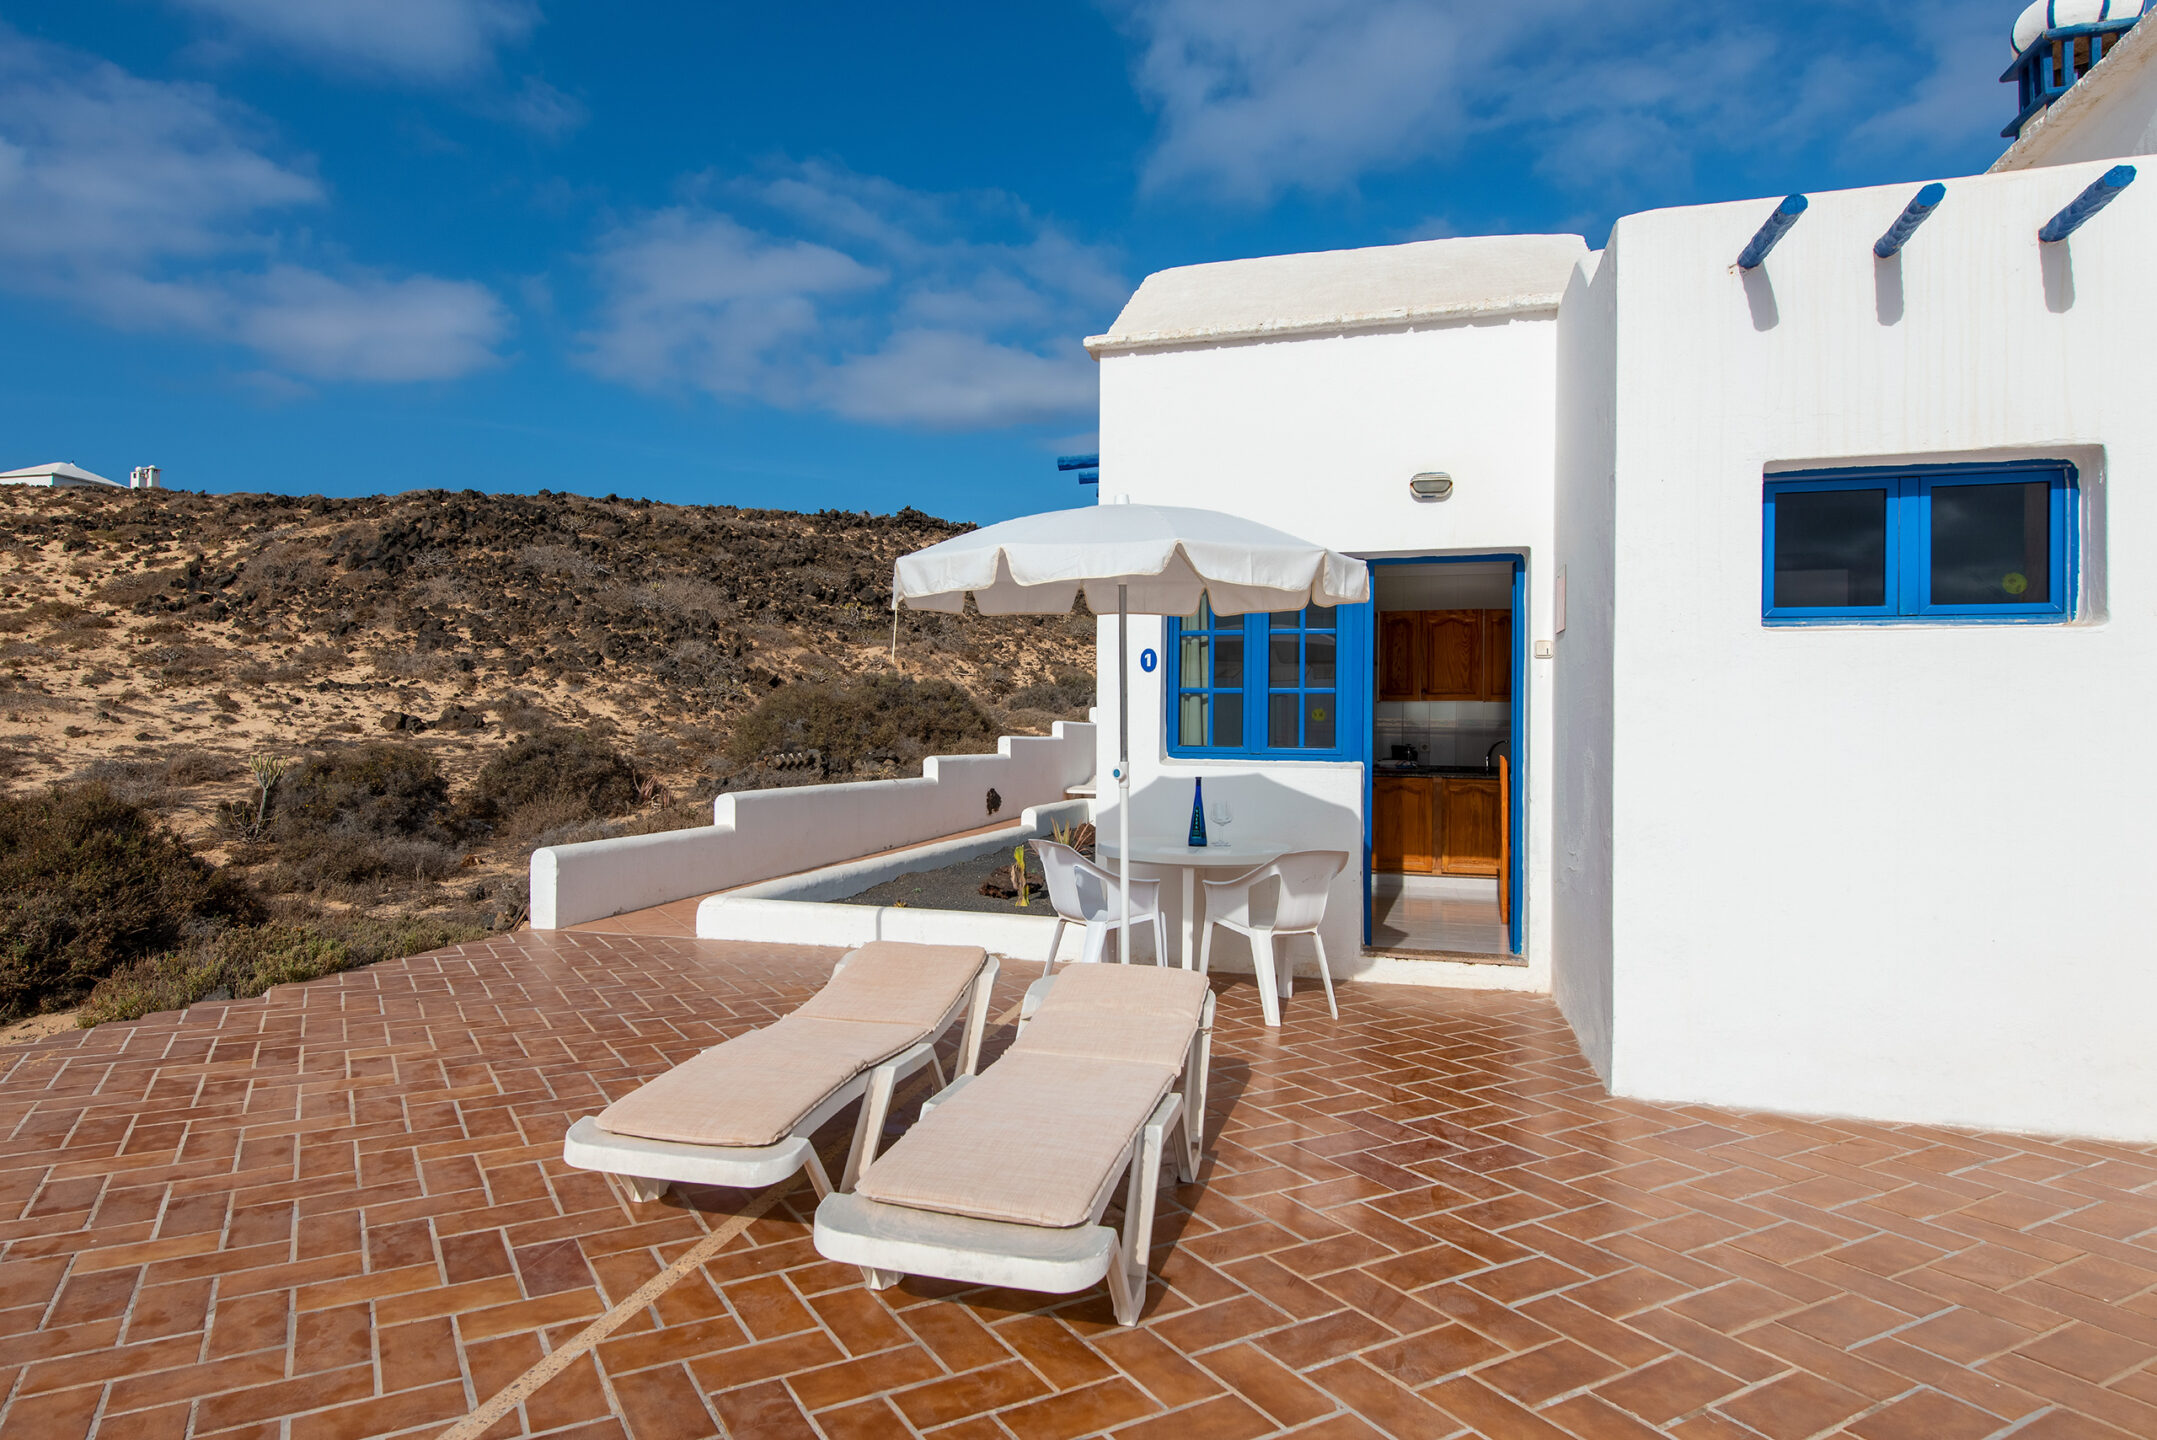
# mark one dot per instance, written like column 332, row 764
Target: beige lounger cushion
column 1036, row 1139
column 1129, row 990
column 889, row 981
column 1138, row 1038
column 754, row 1088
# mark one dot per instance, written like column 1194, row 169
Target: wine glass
column 1222, row 813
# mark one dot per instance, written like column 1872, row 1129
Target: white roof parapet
column 1329, row 291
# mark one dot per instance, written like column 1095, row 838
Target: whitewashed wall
column 759, row 834
column 1319, row 436
column 1890, row 872
column 1581, row 689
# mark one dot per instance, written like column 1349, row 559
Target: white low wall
column 837, row 882
column 760, row 834
column 808, row 922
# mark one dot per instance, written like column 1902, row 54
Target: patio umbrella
column 1159, row 559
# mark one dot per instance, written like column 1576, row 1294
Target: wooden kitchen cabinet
column 1471, row 830
column 1399, row 638
column 1452, row 654
column 1445, row 655
column 1403, row 825
column 1497, row 655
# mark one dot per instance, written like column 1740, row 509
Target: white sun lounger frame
column 647, row 1168
column 890, row 1242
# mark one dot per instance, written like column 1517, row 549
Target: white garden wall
column 1896, row 872
column 759, row 834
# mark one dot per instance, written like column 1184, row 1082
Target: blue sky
column 818, row 254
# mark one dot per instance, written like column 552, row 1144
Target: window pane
column 1830, row 548
column 1228, row 662
column 1281, row 721
column 1283, row 671
column 1318, row 712
column 1318, row 659
column 1191, row 720
column 1228, row 720
column 1193, row 670
column 1991, row 544
column 1286, row 619
column 1319, row 617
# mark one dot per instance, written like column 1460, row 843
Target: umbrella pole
column 1123, row 763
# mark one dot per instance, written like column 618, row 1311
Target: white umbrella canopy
column 1159, row 559
column 1165, row 557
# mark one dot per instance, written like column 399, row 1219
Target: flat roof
column 1335, row 290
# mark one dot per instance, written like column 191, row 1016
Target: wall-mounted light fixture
column 1431, row 485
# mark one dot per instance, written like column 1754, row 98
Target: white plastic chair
column 1293, row 906
column 1082, row 893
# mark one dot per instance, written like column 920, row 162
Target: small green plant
column 267, row 770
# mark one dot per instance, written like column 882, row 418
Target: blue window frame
column 1955, row 544
column 1255, row 686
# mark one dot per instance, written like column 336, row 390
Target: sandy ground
column 37, row 1027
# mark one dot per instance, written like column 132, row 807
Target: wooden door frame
column 1515, row 878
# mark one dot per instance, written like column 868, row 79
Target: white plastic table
column 1238, row 854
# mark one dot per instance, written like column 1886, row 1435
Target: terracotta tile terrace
column 341, row 1211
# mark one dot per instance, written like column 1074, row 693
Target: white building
column 57, row 474
column 1848, row 814
column 1762, row 648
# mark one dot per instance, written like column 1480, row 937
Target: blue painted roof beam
column 1078, row 462
column 1089, row 477
column 2102, row 192
column 1914, row 214
column 1778, row 224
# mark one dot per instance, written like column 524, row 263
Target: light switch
column 1544, row 649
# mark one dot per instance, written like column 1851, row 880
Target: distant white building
column 59, row 473
column 1795, row 559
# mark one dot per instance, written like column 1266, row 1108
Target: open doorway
column 1442, row 873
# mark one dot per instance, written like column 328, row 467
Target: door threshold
column 1400, row 952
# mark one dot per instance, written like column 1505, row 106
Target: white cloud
column 147, row 204
column 955, row 380
column 368, row 327
column 423, row 40
column 1256, row 97
column 695, row 297
column 541, row 109
column 858, row 296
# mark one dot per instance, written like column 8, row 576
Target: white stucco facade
column 1318, row 433
column 1892, row 870
column 1864, row 869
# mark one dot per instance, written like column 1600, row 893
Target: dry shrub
column 374, row 812
column 1069, row 693
column 133, row 589
column 884, row 714
column 240, row 963
column 521, row 711
column 551, row 780
column 90, row 882
column 186, row 662
column 412, row 664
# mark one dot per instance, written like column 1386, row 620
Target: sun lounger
column 745, row 1112
column 1005, row 1178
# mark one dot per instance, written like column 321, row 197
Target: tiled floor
column 1448, row 913
column 341, row 1212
